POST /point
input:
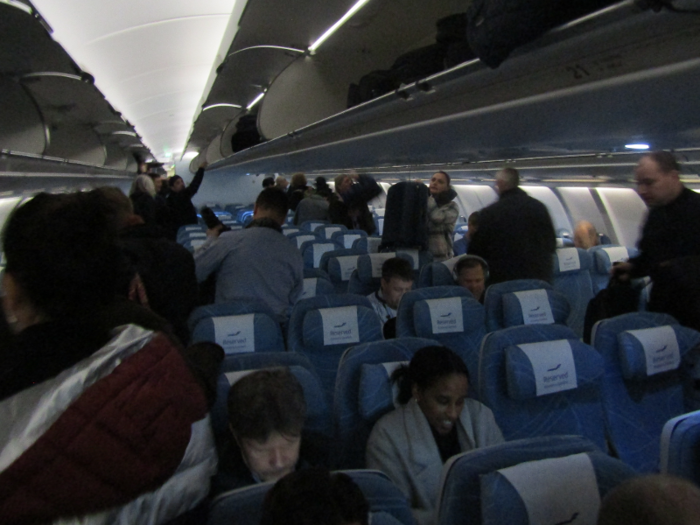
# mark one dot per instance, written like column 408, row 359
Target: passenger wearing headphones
column 472, row 273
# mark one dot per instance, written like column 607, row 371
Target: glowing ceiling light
column 354, row 9
column 189, row 155
column 257, row 99
column 222, row 105
column 639, row 146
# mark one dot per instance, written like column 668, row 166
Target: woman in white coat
column 434, row 422
column 443, row 213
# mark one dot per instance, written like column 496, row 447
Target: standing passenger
column 142, row 195
column 670, row 243
column 297, row 190
column 434, row 422
column 258, row 262
column 182, row 210
column 348, row 205
column 442, row 216
column 515, row 235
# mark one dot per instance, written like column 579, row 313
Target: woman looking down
column 442, row 216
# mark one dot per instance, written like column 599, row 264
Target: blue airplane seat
column 449, row 315
column 540, row 380
column 310, row 226
column 312, row 251
column 327, row 231
column 340, row 264
column 314, row 286
column 523, row 301
column 302, row 236
column 438, row 273
column 356, row 239
column 363, row 393
column 644, row 380
column 237, row 326
column 289, row 230
column 499, row 484
column 387, row 505
column 603, row 259
column 680, row 447
column 572, row 278
column 323, row 327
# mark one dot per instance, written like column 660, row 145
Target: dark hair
column 62, row 251
column 397, row 267
column 275, row 200
column 474, row 219
column 446, row 176
column 268, row 182
column 427, row 366
column 267, row 401
column 172, row 180
column 666, row 161
column 314, row 496
column 470, row 261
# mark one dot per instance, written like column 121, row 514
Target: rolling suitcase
column 406, row 217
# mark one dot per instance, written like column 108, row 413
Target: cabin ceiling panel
column 26, row 46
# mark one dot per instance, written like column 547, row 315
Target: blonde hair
column 143, row 184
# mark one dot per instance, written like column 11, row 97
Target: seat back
column 542, row 381
column 643, row 382
column 523, row 301
column 680, row 447
column 449, row 315
column 314, row 286
column 238, row 326
column 363, row 393
column 387, row 505
column 572, row 278
column 328, row 230
column 352, row 239
column 603, row 259
column 438, row 273
column 556, row 479
column 303, row 236
column 365, row 279
column 318, row 427
column 290, row 230
column 310, row 226
column 340, row 264
column 323, row 327
column 312, row 251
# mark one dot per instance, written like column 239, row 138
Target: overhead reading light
column 127, row 133
column 222, row 105
column 639, row 146
column 189, row 155
column 257, row 99
column 354, row 9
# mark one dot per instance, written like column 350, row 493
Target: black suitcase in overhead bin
column 497, row 27
column 420, row 63
column 406, row 217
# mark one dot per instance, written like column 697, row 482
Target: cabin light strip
column 221, row 105
column 257, row 99
column 19, row 5
column 354, row 9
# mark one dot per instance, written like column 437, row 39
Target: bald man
column 585, row 235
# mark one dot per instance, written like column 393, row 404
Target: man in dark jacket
column 182, row 210
column 348, row 205
column 515, row 235
column 670, row 244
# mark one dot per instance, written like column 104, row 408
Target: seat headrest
column 369, row 267
column 548, row 367
column 553, row 490
column 341, row 268
column 377, row 395
column 568, row 260
column 446, row 315
column 235, row 333
column 529, row 307
column 340, row 326
column 606, row 256
column 648, row 351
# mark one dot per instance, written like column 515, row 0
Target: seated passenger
column 471, row 273
column 102, row 423
column 435, row 422
column 258, row 262
column 397, row 279
column 315, row 497
column 266, row 413
column 652, row 500
column 462, row 245
column 585, row 235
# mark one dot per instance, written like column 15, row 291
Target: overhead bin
column 23, row 127
column 77, row 142
column 587, row 87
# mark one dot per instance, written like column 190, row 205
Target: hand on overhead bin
column 204, row 165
